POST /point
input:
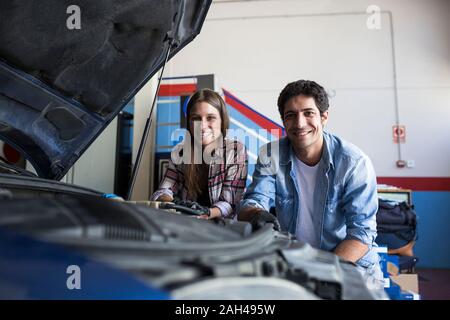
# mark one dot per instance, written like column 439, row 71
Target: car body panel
column 170, row 252
column 60, row 87
column 31, row 269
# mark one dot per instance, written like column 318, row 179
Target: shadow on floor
column 434, row 284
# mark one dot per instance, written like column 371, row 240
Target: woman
column 215, row 179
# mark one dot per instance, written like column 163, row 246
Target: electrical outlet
column 400, row 163
column 410, row 163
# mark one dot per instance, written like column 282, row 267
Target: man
column 323, row 188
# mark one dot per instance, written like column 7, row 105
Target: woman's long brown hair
column 191, row 170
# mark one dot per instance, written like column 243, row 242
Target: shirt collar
column 287, row 153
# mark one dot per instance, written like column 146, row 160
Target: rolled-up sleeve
column 233, row 186
column 360, row 202
column 169, row 184
column 261, row 192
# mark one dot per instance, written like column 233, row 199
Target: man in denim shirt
column 323, row 188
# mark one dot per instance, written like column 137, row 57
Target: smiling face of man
column 304, row 124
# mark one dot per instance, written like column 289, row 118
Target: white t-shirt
column 306, row 178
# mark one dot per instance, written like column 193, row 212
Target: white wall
column 256, row 47
column 95, row 169
column 142, row 105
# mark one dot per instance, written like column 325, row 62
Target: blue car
column 59, row 90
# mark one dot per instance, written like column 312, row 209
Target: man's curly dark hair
column 307, row 88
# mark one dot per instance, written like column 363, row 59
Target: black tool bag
column 396, row 224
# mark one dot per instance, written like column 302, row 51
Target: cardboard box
column 407, row 282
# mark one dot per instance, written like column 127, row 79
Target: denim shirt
column 345, row 195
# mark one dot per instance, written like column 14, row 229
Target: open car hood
column 60, row 87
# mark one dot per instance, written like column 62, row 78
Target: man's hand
column 351, row 250
column 262, row 218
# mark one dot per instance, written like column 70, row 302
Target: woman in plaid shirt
column 206, row 167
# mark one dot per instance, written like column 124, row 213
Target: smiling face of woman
column 205, row 123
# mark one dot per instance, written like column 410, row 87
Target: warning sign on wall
column 399, row 134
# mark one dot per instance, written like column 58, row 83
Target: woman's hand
column 214, row 212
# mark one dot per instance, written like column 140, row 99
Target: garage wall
column 95, row 169
column 256, row 47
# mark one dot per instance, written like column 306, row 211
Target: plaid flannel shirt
column 226, row 179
